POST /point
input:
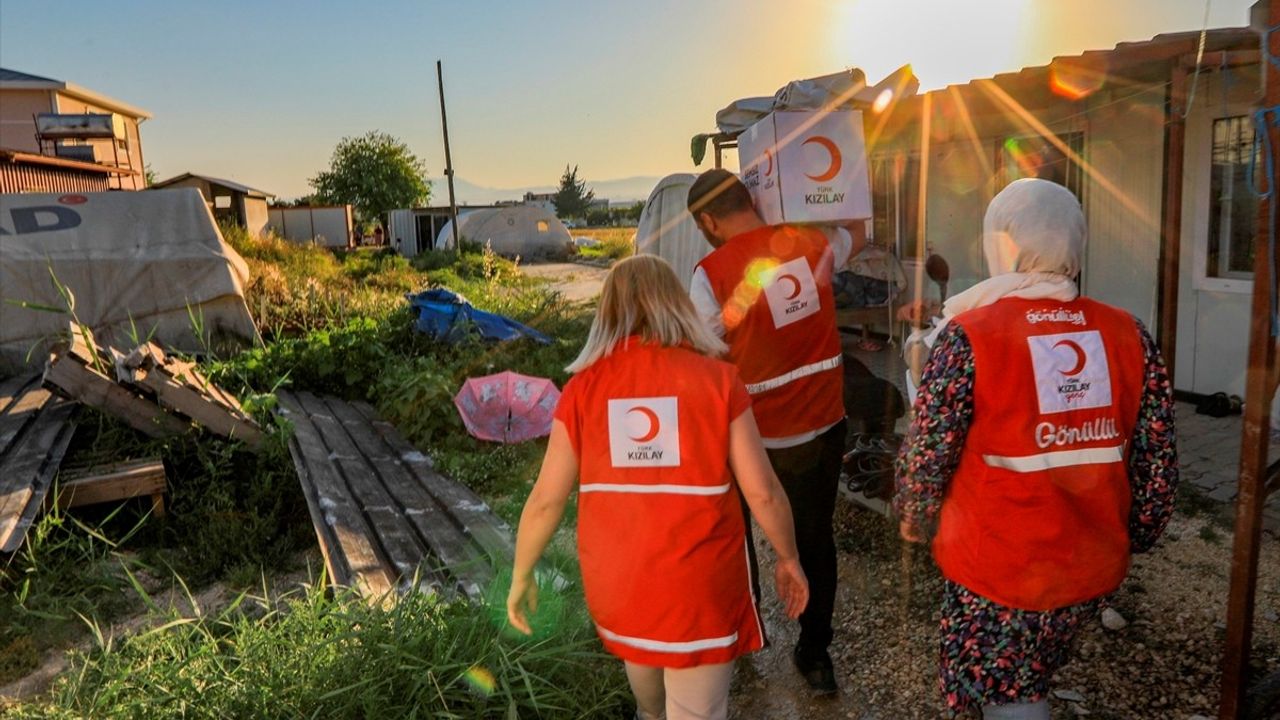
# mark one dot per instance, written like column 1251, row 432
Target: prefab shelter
column 151, row 261
column 230, row 202
column 326, row 225
column 414, row 230
column 529, row 232
column 667, row 229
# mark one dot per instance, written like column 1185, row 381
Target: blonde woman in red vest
column 767, row 291
column 660, row 441
column 1041, row 454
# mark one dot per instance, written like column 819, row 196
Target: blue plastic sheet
column 445, row 315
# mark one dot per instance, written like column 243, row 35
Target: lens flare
column 480, row 680
column 1076, row 78
column 882, row 101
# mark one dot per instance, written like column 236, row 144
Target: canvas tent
column 523, row 230
column 152, row 258
column 667, row 229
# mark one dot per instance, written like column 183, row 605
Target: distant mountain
column 620, row 191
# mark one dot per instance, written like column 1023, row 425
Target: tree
column 573, row 197
column 374, row 173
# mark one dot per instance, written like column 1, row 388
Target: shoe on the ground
column 817, row 670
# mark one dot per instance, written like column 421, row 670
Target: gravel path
column 1163, row 664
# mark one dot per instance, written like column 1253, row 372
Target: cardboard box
column 807, row 167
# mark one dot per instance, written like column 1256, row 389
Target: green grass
column 336, row 324
column 615, row 243
column 312, row 655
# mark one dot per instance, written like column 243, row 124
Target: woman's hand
column 793, row 587
column 910, row 531
column 523, row 595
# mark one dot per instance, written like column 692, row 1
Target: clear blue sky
column 261, row 91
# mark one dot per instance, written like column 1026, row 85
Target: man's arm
column 704, row 301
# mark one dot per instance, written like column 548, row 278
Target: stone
column 1223, row 493
column 1069, row 696
column 1080, row 710
column 1113, row 620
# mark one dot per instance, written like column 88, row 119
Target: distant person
column 1042, row 449
column 660, row 440
column 767, row 291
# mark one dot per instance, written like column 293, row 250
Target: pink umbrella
column 507, row 407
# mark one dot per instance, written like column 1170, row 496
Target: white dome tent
column 523, row 230
column 667, row 229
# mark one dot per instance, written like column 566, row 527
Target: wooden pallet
column 179, row 387
column 383, row 516
column 150, row 391
column 35, row 429
column 95, row 484
column 80, row 371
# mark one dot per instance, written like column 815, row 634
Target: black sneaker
column 817, row 671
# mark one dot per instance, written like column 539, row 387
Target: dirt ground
column 575, row 281
column 1164, row 664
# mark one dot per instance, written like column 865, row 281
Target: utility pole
column 1260, row 382
column 448, row 159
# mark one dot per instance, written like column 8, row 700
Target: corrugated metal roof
column 234, row 186
column 1159, row 49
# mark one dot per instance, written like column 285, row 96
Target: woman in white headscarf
column 1040, row 455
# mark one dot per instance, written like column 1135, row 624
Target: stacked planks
column 35, row 429
column 385, row 519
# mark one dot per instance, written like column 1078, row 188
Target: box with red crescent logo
column 807, row 166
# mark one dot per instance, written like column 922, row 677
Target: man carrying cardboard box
column 766, row 290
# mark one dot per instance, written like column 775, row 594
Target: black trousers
column 810, row 475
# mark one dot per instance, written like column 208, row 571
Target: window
column 222, row 202
column 1233, row 208
column 543, row 227
column 1038, row 157
column 895, row 204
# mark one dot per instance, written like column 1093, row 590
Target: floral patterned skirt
column 995, row 655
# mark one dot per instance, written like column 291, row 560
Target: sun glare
column 945, row 41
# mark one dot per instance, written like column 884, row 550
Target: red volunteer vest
column 773, row 285
column 1037, row 514
column 660, row 530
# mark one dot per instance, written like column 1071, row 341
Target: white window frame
column 1201, row 280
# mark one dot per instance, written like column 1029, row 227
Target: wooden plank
column 344, row 534
column 20, row 410
column 96, row 390
column 200, row 408
column 12, row 388
column 44, row 481
column 473, row 515
column 455, row 553
column 26, row 473
column 1259, row 392
column 391, row 529
column 119, row 481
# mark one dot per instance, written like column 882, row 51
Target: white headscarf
column 1033, row 237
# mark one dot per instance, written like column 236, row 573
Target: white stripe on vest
column 673, row 489
column 802, row 371
column 1059, row 459
column 671, row 647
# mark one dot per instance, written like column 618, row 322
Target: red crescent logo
column 654, row 426
column 769, row 155
column 1081, row 358
column 795, row 285
column 836, row 160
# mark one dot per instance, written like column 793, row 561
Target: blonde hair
column 642, row 297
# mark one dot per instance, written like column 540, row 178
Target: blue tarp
column 446, row 315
